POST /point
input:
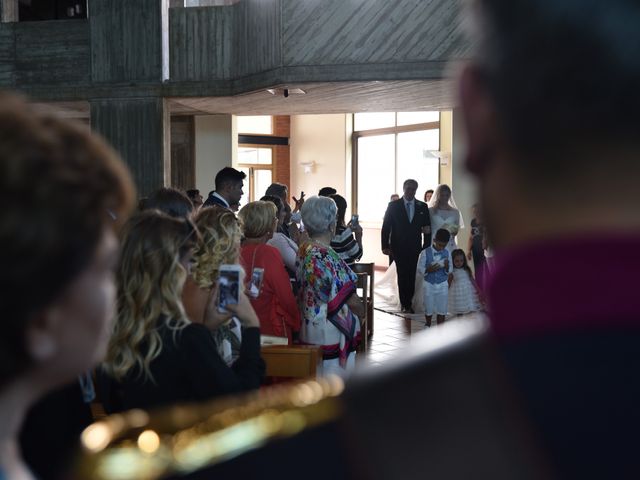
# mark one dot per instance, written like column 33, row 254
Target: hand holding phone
column 244, row 312
column 228, row 286
column 354, row 219
column 213, row 318
column 256, row 282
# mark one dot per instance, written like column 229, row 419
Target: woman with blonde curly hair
column 275, row 304
column 156, row 355
column 220, row 244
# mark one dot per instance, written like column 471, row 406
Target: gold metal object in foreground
column 138, row 445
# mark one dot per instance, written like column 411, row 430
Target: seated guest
column 229, row 183
column 170, row 201
column 288, row 248
column 220, row 244
column 327, row 191
column 275, row 304
column 156, row 355
column 65, row 194
column 327, row 297
column 282, row 192
column 195, row 197
column 347, row 241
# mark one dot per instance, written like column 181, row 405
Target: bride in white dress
column 444, row 214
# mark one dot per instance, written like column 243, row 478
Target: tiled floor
column 390, row 334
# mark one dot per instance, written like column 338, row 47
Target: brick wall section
column 282, row 160
column 282, row 125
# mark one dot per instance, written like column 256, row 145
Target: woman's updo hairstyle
column 258, row 218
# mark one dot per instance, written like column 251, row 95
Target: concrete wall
column 216, row 148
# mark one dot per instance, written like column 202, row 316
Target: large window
column 255, row 124
column 257, row 162
column 390, row 147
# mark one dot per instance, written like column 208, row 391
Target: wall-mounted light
column 308, row 166
column 444, row 157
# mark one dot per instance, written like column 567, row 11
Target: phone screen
column 228, row 286
column 256, row 282
column 354, row 219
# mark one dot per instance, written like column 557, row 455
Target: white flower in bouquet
column 452, row 228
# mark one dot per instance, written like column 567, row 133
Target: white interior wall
column 464, row 189
column 321, row 140
column 216, row 145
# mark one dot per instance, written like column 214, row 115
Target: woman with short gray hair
column 328, row 300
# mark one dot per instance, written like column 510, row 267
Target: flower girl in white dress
column 463, row 292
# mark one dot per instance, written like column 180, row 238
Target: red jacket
column 276, row 306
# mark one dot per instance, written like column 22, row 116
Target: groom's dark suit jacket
column 404, row 238
column 405, row 241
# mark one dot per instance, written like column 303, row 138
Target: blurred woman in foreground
column 64, row 193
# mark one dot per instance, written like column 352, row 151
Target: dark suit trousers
column 406, row 263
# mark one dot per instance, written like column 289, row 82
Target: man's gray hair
column 319, row 214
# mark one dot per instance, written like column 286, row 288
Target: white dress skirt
column 386, row 289
column 463, row 297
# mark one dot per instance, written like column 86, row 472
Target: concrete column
column 129, row 40
column 9, row 10
column 138, row 128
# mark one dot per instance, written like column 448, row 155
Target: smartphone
column 354, row 219
column 228, row 286
column 256, row 282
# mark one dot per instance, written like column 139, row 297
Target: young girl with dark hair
column 463, row 291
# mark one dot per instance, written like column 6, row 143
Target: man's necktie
column 409, row 206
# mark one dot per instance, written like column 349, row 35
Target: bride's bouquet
column 452, row 228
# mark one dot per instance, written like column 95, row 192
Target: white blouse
column 287, row 248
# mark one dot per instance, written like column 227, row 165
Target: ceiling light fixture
column 285, row 92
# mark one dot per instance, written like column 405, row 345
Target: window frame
column 357, row 134
column 257, row 166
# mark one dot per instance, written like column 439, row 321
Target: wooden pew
column 363, row 290
column 368, row 269
column 292, row 361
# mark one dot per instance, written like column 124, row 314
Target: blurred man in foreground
column 563, row 301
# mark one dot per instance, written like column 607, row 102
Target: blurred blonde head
column 150, row 277
column 258, row 219
column 219, row 244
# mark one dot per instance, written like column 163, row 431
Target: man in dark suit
column 406, row 222
column 229, row 183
